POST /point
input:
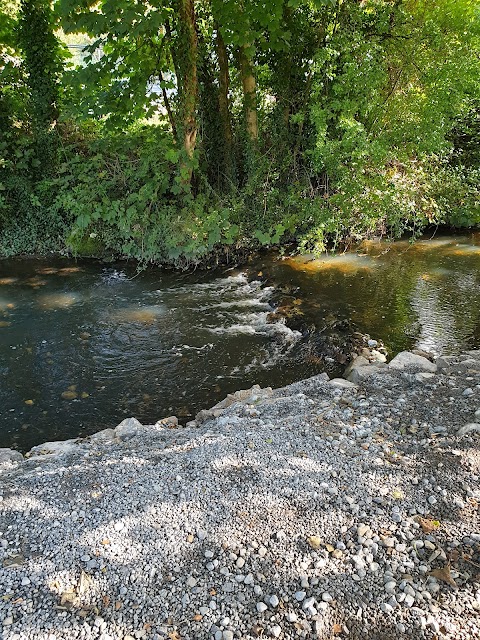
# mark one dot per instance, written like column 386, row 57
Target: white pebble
column 274, row 601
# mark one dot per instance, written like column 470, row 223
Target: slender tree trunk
column 188, row 68
column 224, row 85
column 224, row 103
column 249, row 93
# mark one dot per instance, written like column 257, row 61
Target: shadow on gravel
column 131, row 570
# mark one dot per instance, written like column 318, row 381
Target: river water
column 85, row 344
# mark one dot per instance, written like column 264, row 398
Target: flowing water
column 84, row 344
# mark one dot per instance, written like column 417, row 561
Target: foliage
column 30, row 64
column 192, row 128
column 123, row 192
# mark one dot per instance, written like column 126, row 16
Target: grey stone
column 106, row 435
column 341, row 383
column 129, row 428
column 359, row 374
column 274, row 601
column 408, row 360
column 10, row 455
column 471, row 427
column 56, row 448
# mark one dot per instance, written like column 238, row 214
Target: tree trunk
column 249, row 93
column 188, row 54
column 224, row 103
column 224, row 84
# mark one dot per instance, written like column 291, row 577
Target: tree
column 42, row 62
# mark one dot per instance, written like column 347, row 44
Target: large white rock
column 359, row 361
column 129, row 428
column 342, row 383
column 407, row 360
column 10, row 455
column 56, row 448
column 106, row 435
column 361, row 373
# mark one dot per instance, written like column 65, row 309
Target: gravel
column 312, row 511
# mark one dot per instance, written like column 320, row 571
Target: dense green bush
column 194, row 130
column 124, row 192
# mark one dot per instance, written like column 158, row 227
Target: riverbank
column 326, row 508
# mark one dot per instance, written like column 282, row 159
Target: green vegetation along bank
column 184, row 129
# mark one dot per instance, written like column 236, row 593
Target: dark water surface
column 83, row 345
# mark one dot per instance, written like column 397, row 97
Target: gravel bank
column 323, row 509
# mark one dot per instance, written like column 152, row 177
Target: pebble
column 409, row 600
column 261, row 607
column 274, row 601
column 276, row 631
column 390, row 586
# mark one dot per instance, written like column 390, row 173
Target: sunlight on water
column 464, row 250
column 58, row 300
column 344, row 263
column 144, row 315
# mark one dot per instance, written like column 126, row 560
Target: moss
column 88, row 245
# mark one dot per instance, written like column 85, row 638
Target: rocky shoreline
column 328, row 508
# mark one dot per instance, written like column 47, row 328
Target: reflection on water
column 82, row 346
column 424, row 295
column 342, row 263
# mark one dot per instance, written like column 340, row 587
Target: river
column 84, row 344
